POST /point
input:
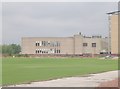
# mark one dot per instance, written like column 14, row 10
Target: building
column 76, row 45
column 114, row 32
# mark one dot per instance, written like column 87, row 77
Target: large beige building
column 114, row 32
column 76, row 45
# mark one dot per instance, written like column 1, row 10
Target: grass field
column 25, row 70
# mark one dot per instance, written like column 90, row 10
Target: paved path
column 90, row 81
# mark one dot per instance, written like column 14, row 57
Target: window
column 85, row 44
column 46, row 43
column 55, row 50
column 36, row 44
column 42, row 43
column 93, row 44
column 59, row 51
column 36, row 51
column 58, row 44
column 40, row 51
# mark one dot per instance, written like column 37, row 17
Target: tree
column 11, row 49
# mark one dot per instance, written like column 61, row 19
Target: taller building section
column 114, row 33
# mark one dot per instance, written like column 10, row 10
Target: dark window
column 42, row 43
column 40, row 51
column 85, row 44
column 36, row 51
column 93, row 44
column 36, row 44
column 59, row 51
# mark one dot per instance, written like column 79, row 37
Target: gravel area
column 93, row 80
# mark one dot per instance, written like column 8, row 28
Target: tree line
column 10, row 49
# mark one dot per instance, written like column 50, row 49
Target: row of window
column 48, row 43
column 47, row 51
column 86, row 44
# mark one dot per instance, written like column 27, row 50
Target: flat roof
column 115, row 12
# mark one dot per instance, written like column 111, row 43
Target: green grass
column 25, row 70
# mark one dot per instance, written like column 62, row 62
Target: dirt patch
column 113, row 84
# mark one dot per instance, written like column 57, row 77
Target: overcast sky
column 54, row 19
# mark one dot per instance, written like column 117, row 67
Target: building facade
column 76, row 45
column 114, row 32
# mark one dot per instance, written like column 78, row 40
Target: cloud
column 54, row 19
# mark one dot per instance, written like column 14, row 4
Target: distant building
column 114, row 32
column 76, row 45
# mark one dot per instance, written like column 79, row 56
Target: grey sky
column 54, row 19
